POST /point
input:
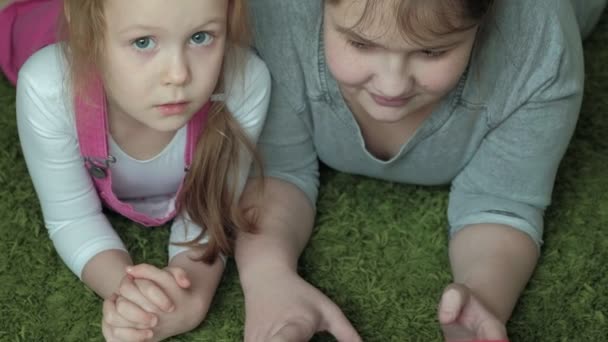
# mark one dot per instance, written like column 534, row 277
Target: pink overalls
column 27, row 26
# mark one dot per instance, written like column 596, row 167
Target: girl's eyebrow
column 144, row 27
column 445, row 44
column 138, row 27
column 349, row 32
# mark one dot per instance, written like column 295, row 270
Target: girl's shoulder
column 248, row 84
column 290, row 15
column 44, row 83
column 525, row 49
column 251, row 73
column 533, row 18
column 287, row 35
column 46, row 69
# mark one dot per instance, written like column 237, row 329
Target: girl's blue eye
column 144, row 43
column 201, row 39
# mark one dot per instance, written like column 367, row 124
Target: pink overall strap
column 195, row 128
column 92, row 128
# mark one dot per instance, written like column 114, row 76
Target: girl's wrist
column 264, row 270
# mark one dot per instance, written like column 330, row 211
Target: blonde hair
column 209, row 191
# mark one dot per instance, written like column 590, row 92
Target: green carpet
column 379, row 249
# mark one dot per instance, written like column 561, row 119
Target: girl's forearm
column 495, row 262
column 104, row 272
column 204, row 278
column 285, row 220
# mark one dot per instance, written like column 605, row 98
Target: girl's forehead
column 363, row 18
column 155, row 11
column 415, row 21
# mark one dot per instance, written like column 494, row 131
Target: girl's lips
column 173, row 108
column 391, row 101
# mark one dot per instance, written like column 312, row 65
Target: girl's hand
column 189, row 307
column 146, row 294
column 131, row 314
column 283, row 307
column 463, row 317
column 115, row 327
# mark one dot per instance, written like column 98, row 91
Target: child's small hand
column 145, row 293
column 115, row 327
column 190, row 305
column 133, row 312
column 463, row 317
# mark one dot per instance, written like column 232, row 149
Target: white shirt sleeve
column 247, row 99
column 70, row 206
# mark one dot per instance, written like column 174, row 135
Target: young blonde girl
column 152, row 108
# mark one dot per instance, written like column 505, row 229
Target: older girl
column 483, row 95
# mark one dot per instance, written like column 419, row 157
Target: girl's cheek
column 440, row 77
column 348, row 70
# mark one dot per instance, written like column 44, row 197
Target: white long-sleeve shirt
column 70, row 205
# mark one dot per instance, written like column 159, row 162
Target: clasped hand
column 151, row 304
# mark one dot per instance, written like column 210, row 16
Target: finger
column 452, row 301
column 495, row 332
column 180, row 276
column 133, row 316
column 108, row 309
column 156, row 293
column 293, row 332
column 106, row 331
column 131, row 335
column 112, row 317
column 152, row 283
column 146, row 296
column 336, row 323
column 145, row 271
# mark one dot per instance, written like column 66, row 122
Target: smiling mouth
column 391, row 101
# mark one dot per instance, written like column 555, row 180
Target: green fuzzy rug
column 379, row 250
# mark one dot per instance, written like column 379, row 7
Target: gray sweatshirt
column 497, row 137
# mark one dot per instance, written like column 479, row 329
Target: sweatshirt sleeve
column 70, row 206
column 510, row 178
column 287, row 144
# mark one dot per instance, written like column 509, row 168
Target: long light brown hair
column 208, row 194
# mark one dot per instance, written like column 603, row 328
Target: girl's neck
column 137, row 140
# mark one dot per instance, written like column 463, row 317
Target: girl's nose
column 178, row 71
column 393, row 77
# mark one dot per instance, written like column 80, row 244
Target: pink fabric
column 92, row 127
column 26, row 26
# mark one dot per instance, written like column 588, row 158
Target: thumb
column 453, row 299
column 292, row 332
column 180, row 276
column 336, row 323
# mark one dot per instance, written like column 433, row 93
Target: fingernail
column 129, row 269
column 154, row 321
column 149, row 334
